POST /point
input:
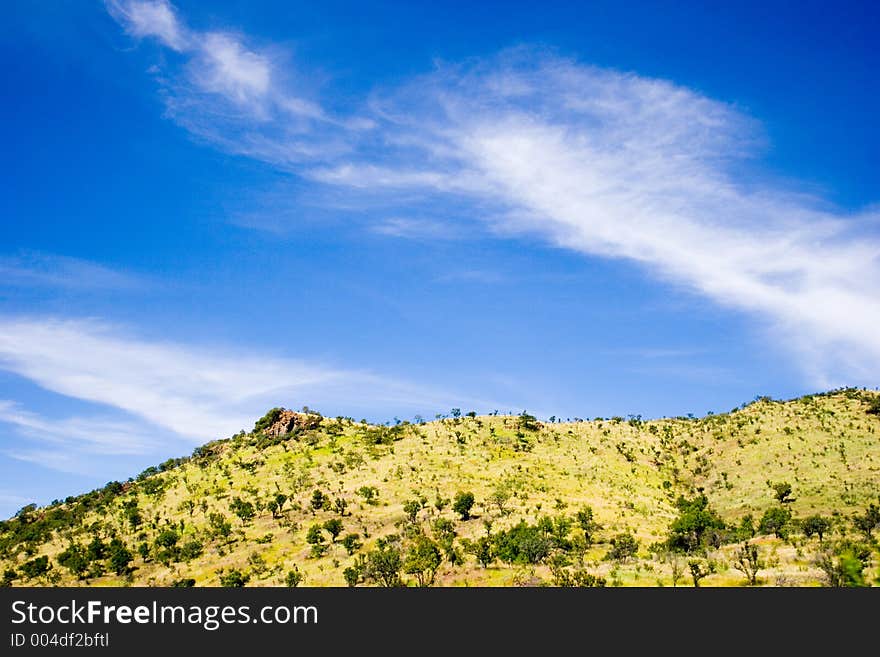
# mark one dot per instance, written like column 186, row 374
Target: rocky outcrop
column 288, row 421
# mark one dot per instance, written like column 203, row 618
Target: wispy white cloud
column 242, row 98
column 415, row 228
column 34, row 269
column 603, row 163
column 197, row 393
column 97, row 435
column 150, row 19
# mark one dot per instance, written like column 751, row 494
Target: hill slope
column 257, row 507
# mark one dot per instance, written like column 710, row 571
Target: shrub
column 775, row 521
column 522, row 543
column 624, row 546
column 294, row 577
column 422, row 560
column 463, row 503
column 234, row 579
column 696, row 526
column 383, row 564
column 74, row 559
column 815, row 525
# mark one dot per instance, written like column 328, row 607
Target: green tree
column 587, row 522
column 483, row 550
column 369, row 493
column 464, row 502
column 315, row 538
column 444, row 534
column 38, row 566
column 243, row 509
column 522, row 543
column 422, row 560
column 167, row 538
column 191, row 550
column 500, row 496
column 319, row 501
column 74, row 559
column 294, row 577
column 868, row 521
column 695, row 527
column 775, row 521
column 351, row 543
column 334, row 527
column 844, row 565
column 746, row 528
column 234, row 579
column 120, row 557
column 353, row 575
column 782, row 491
column 815, row 525
column 9, row 576
column 384, row 562
column 220, row 525
column 411, row 508
column 699, row 570
column 96, row 550
column 624, row 546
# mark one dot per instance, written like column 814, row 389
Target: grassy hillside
column 554, row 502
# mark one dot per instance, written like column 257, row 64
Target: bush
column 120, row 557
column 844, row 565
column 244, row 510
column 36, row 567
column 815, row 525
column 351, row 543
column 294, row 577
column 463, row 503
column 383, row 564
column 234, row 579
column 623, row 547
column 696, row 527
column 775, row 521
column 422, row 560
column 75, row 560
column 523, row 543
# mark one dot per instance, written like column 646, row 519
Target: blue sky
column 389, row 209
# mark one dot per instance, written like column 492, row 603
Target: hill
column 779, row 493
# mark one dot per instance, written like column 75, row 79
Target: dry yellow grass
column 630, row 472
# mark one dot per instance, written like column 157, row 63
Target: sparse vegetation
column 772, row 492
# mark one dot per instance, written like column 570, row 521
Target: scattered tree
column 815, row 525
column 782, row 491
column 422, row 560
column 775, row 521
column 748, row 561
column 699, row 570
column 294, row 577
column 624, row 546
column 464, row 502
column 234, row 579
column 351, row 543
column 334, row 527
